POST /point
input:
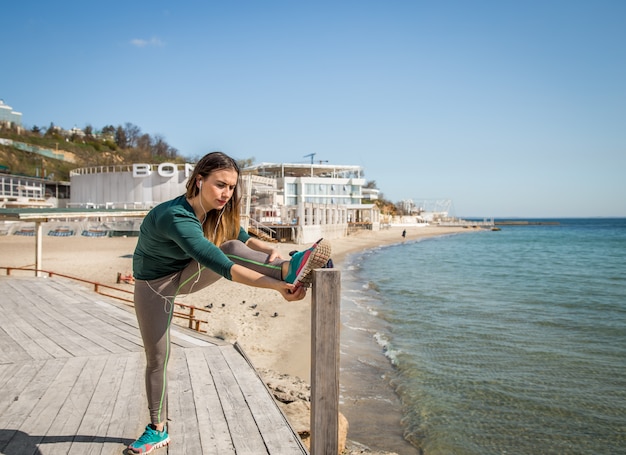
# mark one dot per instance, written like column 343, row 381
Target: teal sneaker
column 304, row 262
column 150, row 439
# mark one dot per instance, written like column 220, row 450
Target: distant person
column 188, row 243
column 404, row 233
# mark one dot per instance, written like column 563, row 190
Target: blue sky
column 508, row 108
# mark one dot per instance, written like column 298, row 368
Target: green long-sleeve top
column 170, row 237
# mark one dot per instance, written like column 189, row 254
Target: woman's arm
column 243, row 275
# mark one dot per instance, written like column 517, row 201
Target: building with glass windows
column 309, row 201
column 8, row 117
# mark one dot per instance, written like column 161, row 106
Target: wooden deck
column 72, row 381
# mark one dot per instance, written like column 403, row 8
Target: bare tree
column 245, row 162
column 144, row 143
column 120, row 138
column 162, row 148
column 132, row 134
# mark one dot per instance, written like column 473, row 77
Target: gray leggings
column 154, row 306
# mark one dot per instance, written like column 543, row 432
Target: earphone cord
column 219, row 219
column 168, row 301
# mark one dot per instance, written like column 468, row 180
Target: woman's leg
column 241, row 254
column 195, row 277
column 154, row 308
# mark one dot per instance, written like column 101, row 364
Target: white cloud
column 154, row 41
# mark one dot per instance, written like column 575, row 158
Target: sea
column 489, row 342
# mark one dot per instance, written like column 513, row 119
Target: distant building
column 8, row 117
column 303, row 202
column 128, row 186
column 17, row 191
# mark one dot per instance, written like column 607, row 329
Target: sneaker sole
column 154, row 447
column 318, row 258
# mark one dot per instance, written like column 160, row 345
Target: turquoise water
column 509, row 342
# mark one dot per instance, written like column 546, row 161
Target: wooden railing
column 188, row 313
column 262, row 231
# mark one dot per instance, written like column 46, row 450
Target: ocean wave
column 383, row 341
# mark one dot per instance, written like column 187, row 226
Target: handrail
column 262, row 227
column 194, row 323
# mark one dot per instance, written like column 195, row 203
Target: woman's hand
column 274, row 254
column 259, row 245
column 292, row 293
column 289, row 291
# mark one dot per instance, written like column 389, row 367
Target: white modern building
column 9, row 117
column 309, row 201
column 128, row 186
column 17, row 191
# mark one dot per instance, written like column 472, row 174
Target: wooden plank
column 33, row 429
column 7, row 372
column 78, row 319
column 37, row 344
column 52, row 329
column 109, row 326
column 97, row 415
column 184, row 432
column 76, row 326
column 69, row 341
column 27, row 342
column 274, row 428
column 25, row 400
column 121, row 323
column 243, row 429
column 64, row 429
column 130, row 411
column 15, row 378
column 208, row 434
column 59, row 307
column 12, row 351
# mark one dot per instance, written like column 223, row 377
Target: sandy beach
column 275, row 334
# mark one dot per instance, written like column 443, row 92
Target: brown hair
column 222, row 225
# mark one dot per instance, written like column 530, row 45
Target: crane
column 311, row 155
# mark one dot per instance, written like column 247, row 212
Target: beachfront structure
column 18, row 191
column 8, row 117
column 303, row 202
column 128, row 186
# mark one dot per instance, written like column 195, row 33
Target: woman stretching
column 185, row 245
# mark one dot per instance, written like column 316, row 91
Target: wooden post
column 191, row 317
column 325, row 323
column 38, row 247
